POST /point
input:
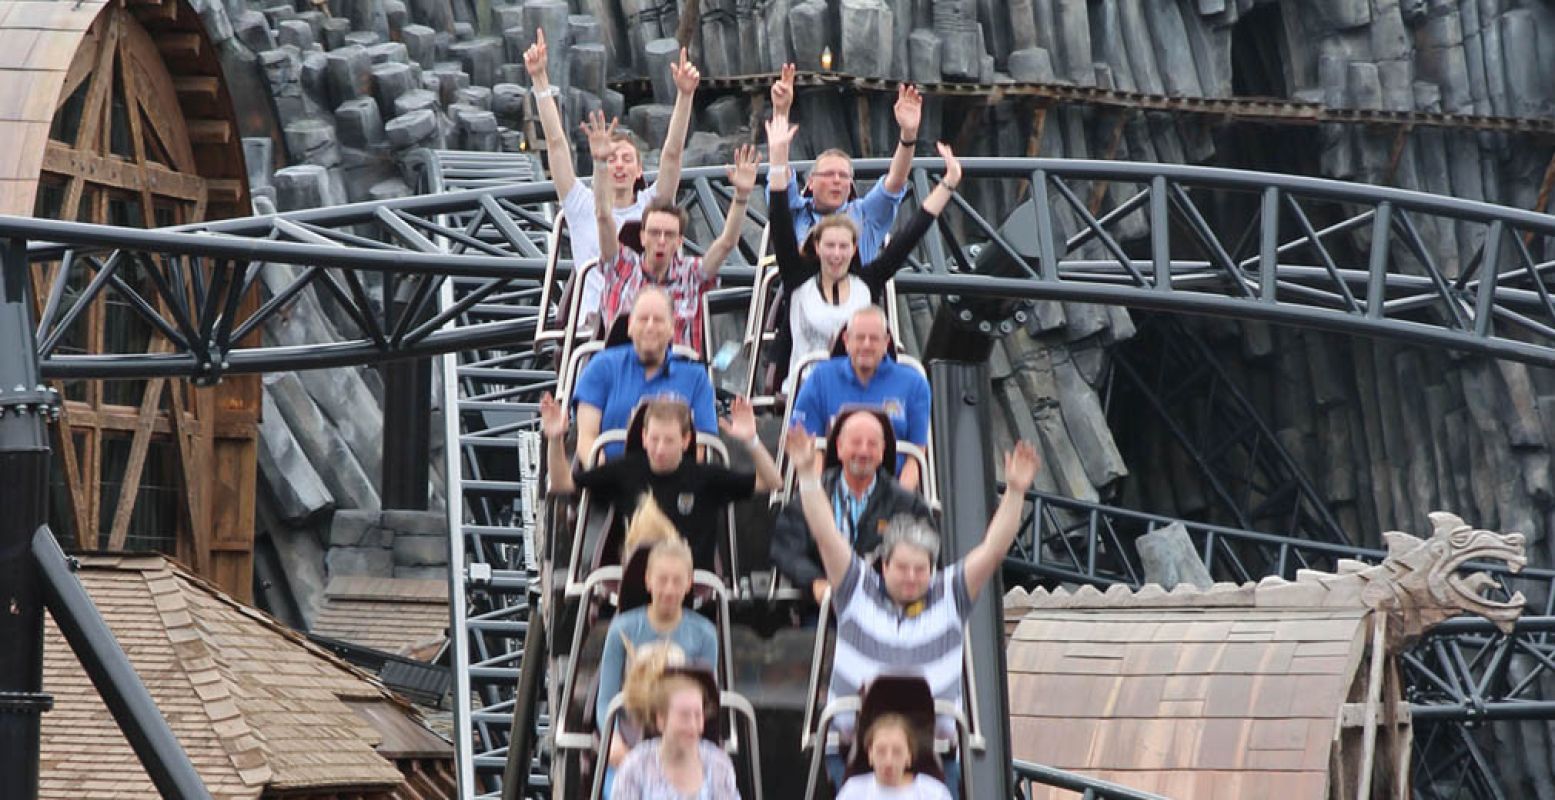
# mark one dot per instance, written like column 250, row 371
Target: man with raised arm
column 658, row 262
column 830, row 188
column 692, row 495
column 866, row 377
column 908, row 618
column 618, row 378
column 865, row 492
column 620, row 156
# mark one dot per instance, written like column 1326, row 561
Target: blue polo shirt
column 896, row 389
column 874, row 212
column 615, row 382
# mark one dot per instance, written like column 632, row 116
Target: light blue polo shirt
column 615, row 382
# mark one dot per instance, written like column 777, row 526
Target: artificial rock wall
column 360, row 86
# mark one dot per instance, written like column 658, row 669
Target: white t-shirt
column 814, row 322
column 578, row 208
column 864, row 787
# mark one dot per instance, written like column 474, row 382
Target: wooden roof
column 38, row 40
column 256, row 706
column 396, row 615
column 1208, row 703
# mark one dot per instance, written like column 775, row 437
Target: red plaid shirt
column 684, row 281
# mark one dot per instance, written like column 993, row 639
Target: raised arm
column 792, row 267
column 556, row 146
column 742, row 176
column 553, row 423
column 686, row 78
column 783, row 91
column 836, row 555
column 1020, row 469
column 893, row 256
column 741, row 426
column 909, row 112
column 604, row 185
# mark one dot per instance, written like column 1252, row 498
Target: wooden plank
column 191, row 511
column 120, row 174
column 179, row 45
column 148, row 84
column 140, row 445
column 210, row 131
column 203, row 88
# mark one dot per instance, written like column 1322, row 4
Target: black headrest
column 887, row 462
column 616, row 333
column 910, row 697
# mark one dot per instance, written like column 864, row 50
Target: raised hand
column 600, row 135
column 1020, row 467
column 685, row 75
column 740, row 425
column 553, row 418
column 780, row 133
column 783, row 91
column 801, row 453
column 909, row 110
column 534, row 57
column 952, row 177
column 742, row 175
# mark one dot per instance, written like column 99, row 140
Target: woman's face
column 682, row 718
column 889, row 755
column 835, row 248
column 668, row 581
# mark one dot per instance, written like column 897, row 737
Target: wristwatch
column 907, row 142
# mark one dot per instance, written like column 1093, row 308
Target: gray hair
column 906, row 529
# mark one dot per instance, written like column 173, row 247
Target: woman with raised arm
column 824, row 279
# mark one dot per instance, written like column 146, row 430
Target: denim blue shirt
column 875, row 212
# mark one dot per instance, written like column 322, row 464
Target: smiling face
column 650, row 326
column 661, row 239
column 830, row 182
column 866, row 341
column 861, row 446
column 835, row 248
column 668, row 577
column 682, row 719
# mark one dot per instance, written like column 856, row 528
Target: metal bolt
column 1006, row 327
column 965, row 315
column 984, row 327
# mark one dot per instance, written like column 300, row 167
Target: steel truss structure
column 465, row 274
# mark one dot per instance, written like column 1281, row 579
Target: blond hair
column 675, row 548
column 645, row 665
column 649, row 526
column 885, row 721
column 672, row 685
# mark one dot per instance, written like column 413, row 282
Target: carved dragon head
column 1419, row 583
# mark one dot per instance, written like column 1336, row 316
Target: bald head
column 866, row 341
column 860, row 447
column 651, row 324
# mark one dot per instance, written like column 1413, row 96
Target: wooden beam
column 203, row 88
column 140, row 445
column 120, row 174
column 1099, row 190
column 1400, row 138
column 209, row 131
column 179, row 45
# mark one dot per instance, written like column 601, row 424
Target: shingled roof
column 1185, row 694
column 257, row 707
column 402, row 616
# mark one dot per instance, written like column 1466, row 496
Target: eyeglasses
column 660, row 233
column 833, row 174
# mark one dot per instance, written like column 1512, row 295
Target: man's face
column 650, row 326
column 830, row 183
column 861, row 445
column 625, row 167
column 866, row 343
column 665, row 443
column 661, row 240
column 907, row 574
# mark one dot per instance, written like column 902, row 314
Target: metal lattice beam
column 1324, row 254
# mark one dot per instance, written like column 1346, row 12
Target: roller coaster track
column 469, row 270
